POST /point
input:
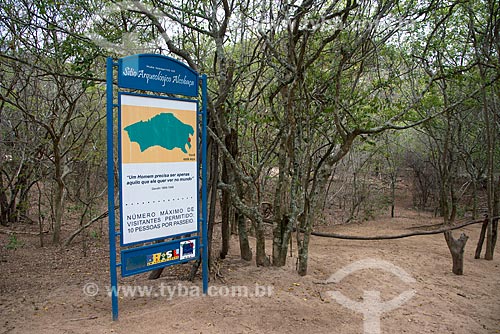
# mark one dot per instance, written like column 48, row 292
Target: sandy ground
column 42, row 289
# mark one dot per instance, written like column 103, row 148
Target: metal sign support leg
column 204, row 185
column 111, row 188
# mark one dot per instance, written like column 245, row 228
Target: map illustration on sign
column 158, row 131
column 163, row 130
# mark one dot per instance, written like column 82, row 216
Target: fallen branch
column 388, row 237
column 11, row 232
column 399, row 236
column 83, row 227
column 92, row 317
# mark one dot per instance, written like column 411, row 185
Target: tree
column 454, row 65
column 332, row 85
column 484, row 29
column 53, row 63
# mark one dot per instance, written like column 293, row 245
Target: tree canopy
column 295, row 87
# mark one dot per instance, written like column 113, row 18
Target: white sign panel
column 159, row 189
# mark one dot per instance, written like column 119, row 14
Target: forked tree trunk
column 456, row 247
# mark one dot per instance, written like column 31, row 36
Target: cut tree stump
column 457, row 247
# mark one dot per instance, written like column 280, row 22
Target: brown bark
column 281, row 240
column 303, row 254
column 4, row 213
column 493, row 230
column 397, row 236
column 260, row 244
column 155, row 274
column 213, row 162
column 495, row 233
column 231, row 142
column 457, row 247
column 281, row 218
column 489, row 242
column 225, row 225
column 480, row 242
column 59, row 195
column 245, row 251
column 305, row 221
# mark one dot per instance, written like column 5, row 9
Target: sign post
column 159, row 149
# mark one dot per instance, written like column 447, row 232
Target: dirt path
column 42, row 290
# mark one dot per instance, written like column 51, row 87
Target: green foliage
column 95, row 235
column 14, row 243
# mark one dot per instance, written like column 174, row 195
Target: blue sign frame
column 198, row 132
column 143, row 259
column 161, row 74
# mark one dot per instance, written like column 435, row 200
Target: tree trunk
column 213, row 162
column 260, row 245
column 155, row 274
column 303, row 254
column 59, row 175
column 4, row 214
column 474, row 199
column 245, row 250
column 480, row 242
column 23, row 186
column 59, row 205
column 8, row 213
column 491, row 240
column 394, row 180
column 226, row 223
column 234, row 221
column 496, row 212
column 282, row 235
column 489, row 243
column 231, row 142
column 492, row 231
column 456, row 247
column 305, row 221
column 495, row 235
column 281, row 218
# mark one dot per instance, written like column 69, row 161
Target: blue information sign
column 159, row 165
column 157, row 73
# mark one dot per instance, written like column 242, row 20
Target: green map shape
column 163, row 130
